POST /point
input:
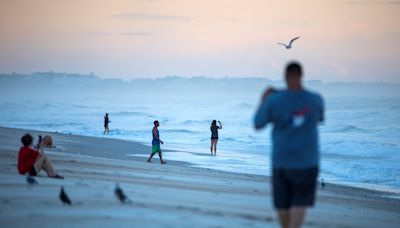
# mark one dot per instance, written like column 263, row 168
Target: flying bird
column 30, row 180
column 120, row 194
column 289, row 46
column 63, row 197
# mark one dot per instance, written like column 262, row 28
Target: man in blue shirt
column 294, row 113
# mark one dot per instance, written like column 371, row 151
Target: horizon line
column 91, row 74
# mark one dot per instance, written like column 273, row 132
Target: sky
column 340, row 40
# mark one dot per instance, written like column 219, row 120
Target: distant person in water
column 295, row 113
column 106, row 122
column 214, row 136
column 33, row 161
column 156, row 148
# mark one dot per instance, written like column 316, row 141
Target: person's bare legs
column 215, row 146
column 43, row 162
column 151, row 156
column 292, row 218
column 297, row 215
column 161, row 160
column 283, row 215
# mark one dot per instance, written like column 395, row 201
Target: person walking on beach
column 156, row 148
column 214, row 136
column 33, row 161
column 295, row 113
column 106, row 122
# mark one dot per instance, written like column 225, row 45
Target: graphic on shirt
column 298, row 117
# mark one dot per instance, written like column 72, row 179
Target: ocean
column 359, row 141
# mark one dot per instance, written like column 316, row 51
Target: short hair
column 294, row 68
column 27, row 139
column 155, row 122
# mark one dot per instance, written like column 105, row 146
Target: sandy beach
column 171, row 195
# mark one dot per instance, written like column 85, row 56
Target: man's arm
column 261, row 118
column 322, row 110
column 263, row 115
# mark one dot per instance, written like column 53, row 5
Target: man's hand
column 161, row 141
column 268, row 92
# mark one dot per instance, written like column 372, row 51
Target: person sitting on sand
column 156, row 143
column 106, row 122
column 32, row 162
column 214, row 136
column 295, row 113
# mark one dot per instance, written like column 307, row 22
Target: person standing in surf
column 106, row 122
column 214, row 136
column 156, row 148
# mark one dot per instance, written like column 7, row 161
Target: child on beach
column 33, row 161
column 106, row 122
column 214, row 136
column 156, row 143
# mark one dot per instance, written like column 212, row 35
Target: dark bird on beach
column 63, row 197
column 323, row 183
column 30, row 180
column 120, row 194
column 289, row 46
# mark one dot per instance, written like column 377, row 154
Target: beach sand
column 171, row 195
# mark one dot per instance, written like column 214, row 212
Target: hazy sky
column 340, row 40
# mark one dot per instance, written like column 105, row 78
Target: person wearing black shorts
column 214, row 136
column 295, row 114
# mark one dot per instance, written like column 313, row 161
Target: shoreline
column 145, row 152
column 174, row 194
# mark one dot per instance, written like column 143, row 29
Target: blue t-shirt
column 295, row 116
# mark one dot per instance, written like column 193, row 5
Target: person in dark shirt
column 214, row 136
column 33, row 161
column 106, row 122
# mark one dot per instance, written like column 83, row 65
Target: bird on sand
column 63, row 197
column 323, row 183
column 120, row 194
column 289, row 46
column 30, row 180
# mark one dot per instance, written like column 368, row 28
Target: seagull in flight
column 290, row 43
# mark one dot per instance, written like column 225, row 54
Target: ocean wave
column 245, row 105
column 179, row 131
column 391, row 132
column 348, row 128
column 8, row 104
column 85, row 106
column 197, row 122
column 127, row 113
column 51, row 125
column 46, row 106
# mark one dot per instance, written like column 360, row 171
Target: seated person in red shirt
column 32, row 161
